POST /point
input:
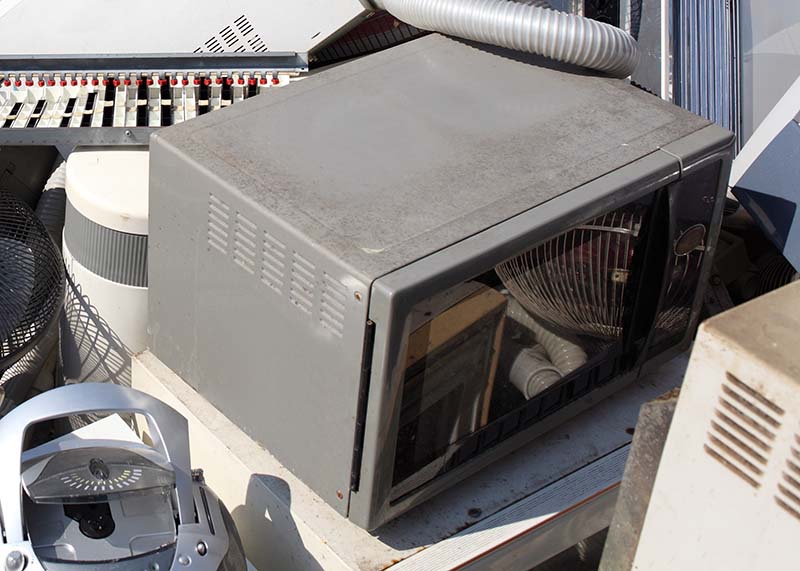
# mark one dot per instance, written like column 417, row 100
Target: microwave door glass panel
column 495, row 354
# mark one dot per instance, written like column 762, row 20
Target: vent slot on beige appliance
column 788, row 496
column 742, row 430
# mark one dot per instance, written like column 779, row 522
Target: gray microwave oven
column 401, row 268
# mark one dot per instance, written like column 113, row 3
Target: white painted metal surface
column 523, row 509
column 770, row 57
column 179, row 26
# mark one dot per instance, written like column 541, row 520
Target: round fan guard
column 576, row 282
column 31, row 279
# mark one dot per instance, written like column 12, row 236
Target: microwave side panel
column 394, row 295
column 266, row 326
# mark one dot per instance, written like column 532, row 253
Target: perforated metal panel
column 239, row 36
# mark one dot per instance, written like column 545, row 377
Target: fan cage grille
column 577, row 281
column 31, row 279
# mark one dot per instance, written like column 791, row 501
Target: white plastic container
column 105, row 252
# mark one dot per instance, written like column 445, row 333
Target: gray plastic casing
column 282, row 227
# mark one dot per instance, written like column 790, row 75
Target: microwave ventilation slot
column 576, row 281
column 244, row 245
column 273, row 263
column 741, row 434
column 332, row 305
column 285, row 272
column 301, row 292
column 218, row 223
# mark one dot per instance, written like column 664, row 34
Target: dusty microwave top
column 391, row 157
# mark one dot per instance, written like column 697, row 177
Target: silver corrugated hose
column 524, row 26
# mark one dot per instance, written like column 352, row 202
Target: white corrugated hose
column 564, row 354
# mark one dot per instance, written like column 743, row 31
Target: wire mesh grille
column 31, row 279
column 577, row 280
column 680, row 294
column 776, row 273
